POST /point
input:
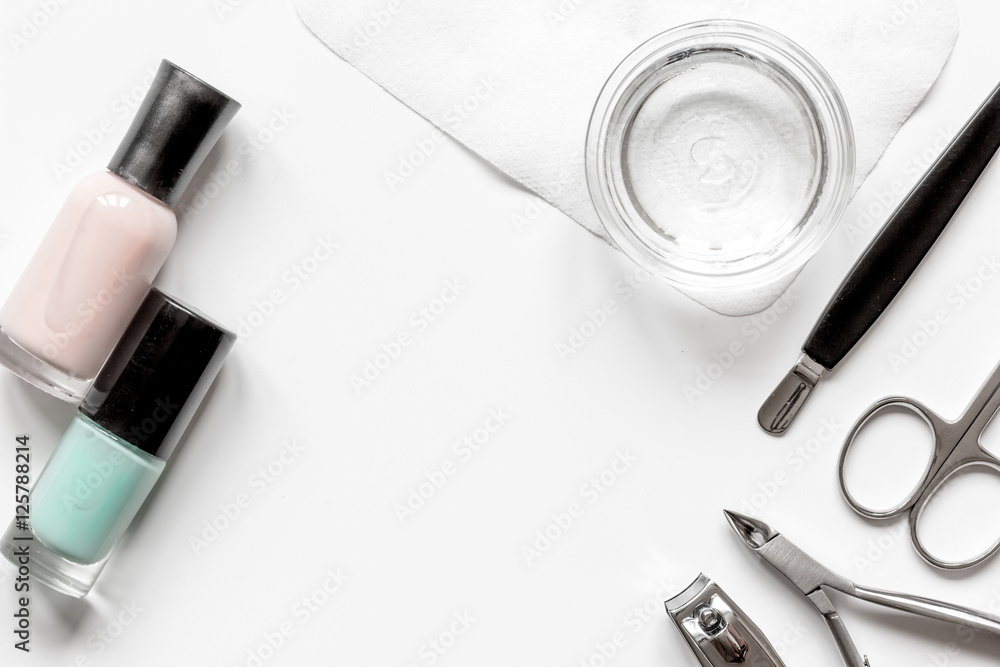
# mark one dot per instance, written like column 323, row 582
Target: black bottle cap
column 157, row 375
column 179, row 121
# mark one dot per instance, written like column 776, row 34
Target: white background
column 332, row 507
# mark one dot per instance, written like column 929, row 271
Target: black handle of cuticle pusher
column 894, row 254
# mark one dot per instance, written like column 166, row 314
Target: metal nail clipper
column 717, row 630
column 815, row 582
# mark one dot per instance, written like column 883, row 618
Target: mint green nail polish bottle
column 118, row 444
column 93, row 486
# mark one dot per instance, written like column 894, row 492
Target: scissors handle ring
column 921, row 505
column 936, row 425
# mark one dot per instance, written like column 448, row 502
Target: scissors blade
column 797, row 566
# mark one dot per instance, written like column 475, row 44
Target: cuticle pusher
column 887, row 262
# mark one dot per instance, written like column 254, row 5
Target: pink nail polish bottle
column 98, row 260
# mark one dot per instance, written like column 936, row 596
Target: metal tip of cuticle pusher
column 784, row 403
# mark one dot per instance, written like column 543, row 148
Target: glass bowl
column 720, row 156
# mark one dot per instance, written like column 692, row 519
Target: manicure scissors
column 956, row 448
column 815, row 582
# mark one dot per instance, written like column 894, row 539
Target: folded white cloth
column 516, row 80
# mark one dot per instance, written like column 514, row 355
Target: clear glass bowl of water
column 720, row 156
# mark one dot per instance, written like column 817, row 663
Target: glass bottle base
column 35, row 371
column 26, row 552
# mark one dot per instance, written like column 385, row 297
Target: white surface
column 495, row 346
